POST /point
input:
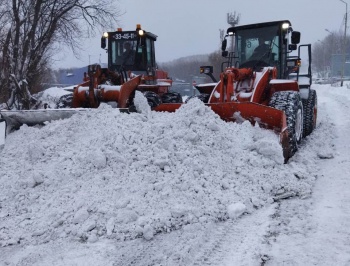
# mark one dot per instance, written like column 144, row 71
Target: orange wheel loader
column 131, row 67
column 263, row 81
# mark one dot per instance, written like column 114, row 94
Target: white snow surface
column 183, row 188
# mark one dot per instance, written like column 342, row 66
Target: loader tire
column 204, row 97
column 153, row 98
column 290, row 102
column 65, row 101
column 310, row 113
column 171, row 97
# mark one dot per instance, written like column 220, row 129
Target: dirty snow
column 109, row 188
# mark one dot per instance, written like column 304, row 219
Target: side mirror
column 206, row 69
column 224, row 45
column 224, row 54
column 295, row 38
column 103, row 42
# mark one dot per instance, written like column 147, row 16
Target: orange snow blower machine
column 261, row 81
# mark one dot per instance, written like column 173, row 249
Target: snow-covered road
column 317, row 229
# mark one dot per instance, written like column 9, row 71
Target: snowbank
column 105, row 174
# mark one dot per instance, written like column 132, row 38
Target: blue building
column 337, row 65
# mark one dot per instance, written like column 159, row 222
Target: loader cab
column 130, row 50
column 259, row 45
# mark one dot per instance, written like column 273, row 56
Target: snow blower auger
column 131, row 67
column 263, row 83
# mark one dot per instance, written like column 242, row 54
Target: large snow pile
column 106, row 174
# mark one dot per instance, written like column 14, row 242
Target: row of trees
column 188, row 67
column 31, row 31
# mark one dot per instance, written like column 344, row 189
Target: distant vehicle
column 322, row 81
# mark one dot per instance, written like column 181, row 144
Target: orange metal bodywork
column 93, row 91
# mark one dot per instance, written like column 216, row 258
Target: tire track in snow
column 323, row 219
column 232, row 242
column 239, row 242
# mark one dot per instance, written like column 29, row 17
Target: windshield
column 257, row 46
column 123, row 52
column 131, row 54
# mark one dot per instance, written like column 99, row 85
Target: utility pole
column 324, row 57
column 344, row 43
column 222, row 34
column 330, row 57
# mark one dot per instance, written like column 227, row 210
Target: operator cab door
column 300, row 69
column 300, row 66
column 145, row 55
column 304, row 77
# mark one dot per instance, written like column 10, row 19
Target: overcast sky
column 189, row 27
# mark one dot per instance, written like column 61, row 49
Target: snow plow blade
column 266, row 117
column 15, row 119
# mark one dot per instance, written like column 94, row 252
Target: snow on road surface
column 316, row 231
column 106, row 188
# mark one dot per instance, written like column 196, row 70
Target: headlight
column 139, row 31
column 285, row 26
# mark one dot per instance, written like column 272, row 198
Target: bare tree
column 216, row 60
column 32, row 30
column 185, row 67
